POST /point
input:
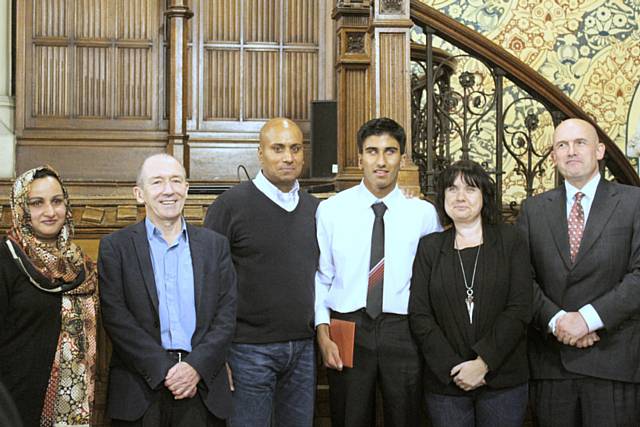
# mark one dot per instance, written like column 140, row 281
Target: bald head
column 281, row 152
column 152, row 162
column 576, row 151
column 277, row 127
column 575, row 127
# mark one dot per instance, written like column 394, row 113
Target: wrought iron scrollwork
column 464, row 108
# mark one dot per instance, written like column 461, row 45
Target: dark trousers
column 385, row 356
column 484, row 407
column 165, row 411
column 585, row 402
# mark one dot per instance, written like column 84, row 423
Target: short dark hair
column 382, row 126
column 472, row 174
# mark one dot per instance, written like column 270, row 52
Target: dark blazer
column 130, row 315
column 438, row 315
column 606, row 274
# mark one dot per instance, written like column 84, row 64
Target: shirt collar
column 153, row 231
column 367, row 198
column 589, row 189
column 263, row 183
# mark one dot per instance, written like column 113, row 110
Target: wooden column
column 391, row 73
column 177, row 14
column 353, row 60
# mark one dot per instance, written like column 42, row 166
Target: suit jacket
column 438, row 315
column 130, row 316
column 606, row 274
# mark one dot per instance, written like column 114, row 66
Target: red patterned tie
column 576, row 226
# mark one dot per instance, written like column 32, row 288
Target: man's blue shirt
column 173, row 273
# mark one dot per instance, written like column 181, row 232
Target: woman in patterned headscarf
column 48, row 305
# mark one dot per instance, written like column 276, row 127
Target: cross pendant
column 469, row 301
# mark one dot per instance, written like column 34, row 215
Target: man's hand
column 571, row 327
column 588, row 340
column 329, row 349
column 182, row 380
column 229, row 376
column 410, row 192
column 469, row 375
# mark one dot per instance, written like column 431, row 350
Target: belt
column 177, row 355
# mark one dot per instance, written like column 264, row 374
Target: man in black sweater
column 270, row 224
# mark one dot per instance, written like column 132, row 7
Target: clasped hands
column 572, row 329
column 182, row 380
column 469, row 375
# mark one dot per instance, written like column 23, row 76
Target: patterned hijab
column 61, row 268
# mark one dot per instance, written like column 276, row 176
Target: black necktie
column 376, row 264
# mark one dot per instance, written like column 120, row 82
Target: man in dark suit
column 168, row 294
column 584, row 239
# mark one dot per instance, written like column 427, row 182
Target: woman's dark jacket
column 503, row 297
column 29, row 331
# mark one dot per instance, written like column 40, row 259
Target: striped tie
column 376, row 263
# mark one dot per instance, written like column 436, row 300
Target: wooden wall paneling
column 51, row 80
column 136, row 19
column 261, row 84
column 50, row 18
column 90, row 160
column 303, row 22
column 221, row 84
column 301, row 83
column 221, row 20
column 262, row 20
column 93, row 81
column 91, row 20
column 134, row 83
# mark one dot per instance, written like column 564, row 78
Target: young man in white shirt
column 366, row 258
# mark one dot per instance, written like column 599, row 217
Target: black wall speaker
column 324, row 138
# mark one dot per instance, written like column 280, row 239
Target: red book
column 343, row 333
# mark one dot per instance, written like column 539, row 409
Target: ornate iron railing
column 480, row 102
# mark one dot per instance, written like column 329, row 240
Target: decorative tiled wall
column 589, row 48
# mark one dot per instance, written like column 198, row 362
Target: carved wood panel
column 221, row 84
column 95, row 75
column 90, row 59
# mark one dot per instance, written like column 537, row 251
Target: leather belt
column 177, row 355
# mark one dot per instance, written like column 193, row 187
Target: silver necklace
column 469, row 299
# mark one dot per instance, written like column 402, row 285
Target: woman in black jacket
column 470, row 303
column 48, row 307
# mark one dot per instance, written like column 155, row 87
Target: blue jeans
column 274, row 384
column 483, row 408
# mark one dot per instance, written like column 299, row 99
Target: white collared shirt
column 287, row 201
column 590, row 315
column 344, row 223
column 589, row 191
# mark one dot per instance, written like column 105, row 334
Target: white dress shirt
column 345, row 223
column 287, row 201
column 590, row 315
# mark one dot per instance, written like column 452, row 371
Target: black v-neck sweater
column 275, row 254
